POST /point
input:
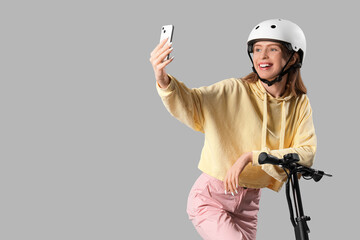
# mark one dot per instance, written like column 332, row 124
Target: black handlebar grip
column 262, row 157
column 267, row 158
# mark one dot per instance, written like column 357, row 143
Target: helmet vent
column 273, row 26
column 257, row 27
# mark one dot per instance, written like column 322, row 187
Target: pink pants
column 217, row 216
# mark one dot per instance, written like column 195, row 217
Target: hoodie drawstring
column 264, row 125
column 283, row 124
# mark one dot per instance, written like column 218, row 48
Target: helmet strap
column 282, row 73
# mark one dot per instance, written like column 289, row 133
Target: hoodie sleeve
column 304, row 144
column 183, row 103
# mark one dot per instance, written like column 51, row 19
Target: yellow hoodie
column 238, row 117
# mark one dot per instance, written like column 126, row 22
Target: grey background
column 87, row 149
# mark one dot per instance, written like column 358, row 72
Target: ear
column 295, row 59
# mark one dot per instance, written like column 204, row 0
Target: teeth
column 264, row 65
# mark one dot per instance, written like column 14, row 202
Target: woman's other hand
column 157, row 57
column 231, row 181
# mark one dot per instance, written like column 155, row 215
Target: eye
column 274, row 49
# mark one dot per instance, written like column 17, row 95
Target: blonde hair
column 294, row 79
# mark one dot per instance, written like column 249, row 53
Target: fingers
column 164, row 64
column 231, row 184
column 160, row 45
column 226, row 186
column 159, row 49
column 237, row 183
column 162, row 56
column 159, row 54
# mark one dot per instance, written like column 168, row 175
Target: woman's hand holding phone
column 157, row 58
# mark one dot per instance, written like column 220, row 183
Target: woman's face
column 269, row 59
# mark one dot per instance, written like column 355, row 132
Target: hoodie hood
column 259, row 91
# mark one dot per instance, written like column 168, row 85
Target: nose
column 264, row 54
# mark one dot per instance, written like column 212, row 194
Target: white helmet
column 279, row 30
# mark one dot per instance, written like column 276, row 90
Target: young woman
column 266, row 111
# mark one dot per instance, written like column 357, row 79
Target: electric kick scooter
column 292, row 170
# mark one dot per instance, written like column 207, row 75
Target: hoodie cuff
column 255, row 159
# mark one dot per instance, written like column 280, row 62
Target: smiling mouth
column 265, row 66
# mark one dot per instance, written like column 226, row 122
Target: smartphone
column 167, row 31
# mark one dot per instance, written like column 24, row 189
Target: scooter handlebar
column 291, row 159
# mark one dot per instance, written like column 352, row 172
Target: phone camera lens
column 164, row 31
